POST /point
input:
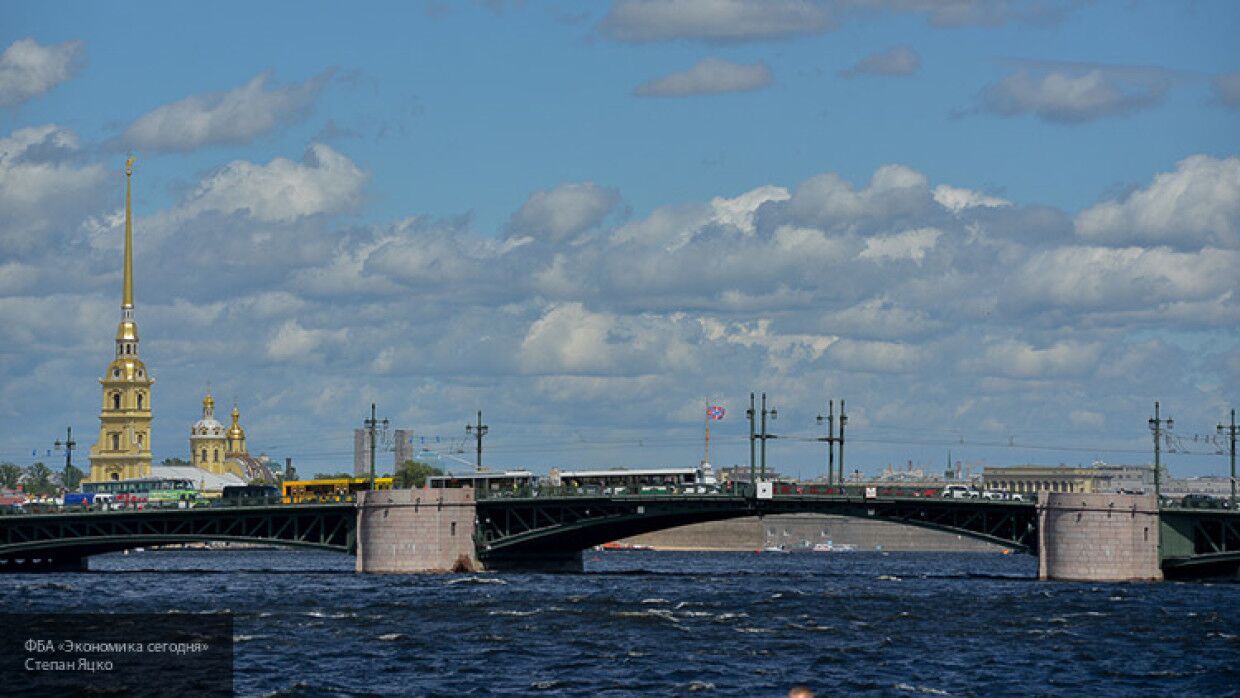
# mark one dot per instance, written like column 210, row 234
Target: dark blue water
column 666, row 623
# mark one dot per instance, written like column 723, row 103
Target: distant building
column 1099, row 477
column 401, row 449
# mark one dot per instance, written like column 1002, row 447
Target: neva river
column 677, row 623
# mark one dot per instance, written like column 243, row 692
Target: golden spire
column 208, row 406
column 127, row 300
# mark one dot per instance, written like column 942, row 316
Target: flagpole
column 706, row 424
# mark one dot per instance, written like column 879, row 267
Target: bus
column 342, row 489
column 249, row 494
column 643, row 481
column 487, row 484
column 143, row 492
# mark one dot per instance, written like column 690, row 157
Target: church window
column 139, row 400
column 139, row 441
column 116, row 476
column 116, row 442
column 116, row 373
column 204, row 455
column 141, row 373
column 216, row 455
column 116, row 401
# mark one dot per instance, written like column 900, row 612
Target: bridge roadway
column 513, row 532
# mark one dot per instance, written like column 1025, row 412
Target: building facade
column 123, row 450
column 1100, row 477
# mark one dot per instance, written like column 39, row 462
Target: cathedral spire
column 127, row 299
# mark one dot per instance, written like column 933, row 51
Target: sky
column 999, row 229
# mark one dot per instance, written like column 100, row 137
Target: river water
column 665, row 623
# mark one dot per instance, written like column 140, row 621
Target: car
column 957, row 492
column 994, row 495
column 1202, row 501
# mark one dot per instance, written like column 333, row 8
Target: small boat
column 775, row 549
column 833, row 548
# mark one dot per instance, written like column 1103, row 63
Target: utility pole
column 1156, row 426
column 843, row 421
column 830, row 439
column 750, row 413
column 1231, row 433
column 370, row 425
column 69, row 445
column 478, row 431
column 774, row 415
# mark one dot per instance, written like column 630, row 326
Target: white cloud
column 956, row 199
column 28, row 69
column 1092, row 278
column 234, row 116
column 1077, row 94
column 291, row 341
column 911, row 245
column 42, row 190
column 713, row 20
column 830, row 201
column 564, row 212
column 282, row 190
column 739, row 211
column 958, row 13
column 901, row 60
column 1087, row 418
column 708, row 76
column 1198, row 204
column 569, row 339
column 1021, row 360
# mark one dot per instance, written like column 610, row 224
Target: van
column 957, row 492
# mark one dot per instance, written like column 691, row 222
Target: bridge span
column 1075, row 536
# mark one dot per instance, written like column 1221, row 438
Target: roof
column 204, row 480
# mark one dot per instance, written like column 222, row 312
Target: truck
column 79, row 499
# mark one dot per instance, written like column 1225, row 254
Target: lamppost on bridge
column 750, row 414
column 370, row 425
column 478, row 431
column 832, row 439
column 1231, row 432
column 1156, row 426
column 69, row 444
column 774, row 414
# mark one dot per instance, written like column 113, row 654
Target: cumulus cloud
column 1227, row 89
column 1075, row 94
column 292, row 341
column 901, row 60
column 42, row 187
column 324, row 182
column 958, row 13
column 230, row 117
column 830, row 202
column 713, row 20
column 564, row 212
column 957, row 199
column 1019, row 359
column 912, row 245
column 1197, row 204
column 28, row 69
column 709, row 76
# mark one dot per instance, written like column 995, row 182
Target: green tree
column 175, row 461
column 10, row 475
column 333, row 476
column 73, row 477
column 413, row 473
column 38, row 480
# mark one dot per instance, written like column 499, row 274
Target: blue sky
column 982, row 222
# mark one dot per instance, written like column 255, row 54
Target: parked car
column 994, row 495
column 958, row 492
column 1202, row 501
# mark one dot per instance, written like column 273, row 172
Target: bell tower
column 124, row 447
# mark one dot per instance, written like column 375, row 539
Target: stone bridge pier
column 1098, row 537
column 401, row 531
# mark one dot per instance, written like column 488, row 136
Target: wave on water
column 476, row 580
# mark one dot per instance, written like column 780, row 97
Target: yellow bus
column 342, row 489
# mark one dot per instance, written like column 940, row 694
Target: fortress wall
column 1098, row 537
column 401, row 531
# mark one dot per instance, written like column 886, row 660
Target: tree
column 73, row 477
column 333, row 476
column 10, row 475
column 413, row 473
column 38, row 480
column 174, row 461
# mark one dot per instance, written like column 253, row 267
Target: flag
column 715, row 412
